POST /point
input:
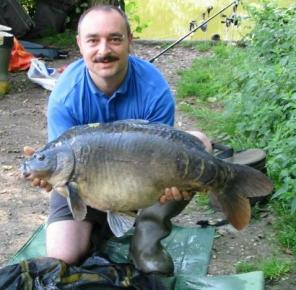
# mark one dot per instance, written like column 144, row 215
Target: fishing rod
column 192, row 31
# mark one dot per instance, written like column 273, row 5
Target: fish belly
column 123, row 189
column 130, row 170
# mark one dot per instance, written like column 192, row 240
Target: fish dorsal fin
column 135, row 121
column 75, row 203
column 120, row 222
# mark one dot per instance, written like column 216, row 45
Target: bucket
column 5, row 28
column 6, row 44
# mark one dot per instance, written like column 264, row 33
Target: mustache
column 104, row 58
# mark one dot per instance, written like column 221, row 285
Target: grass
column 164, row 44
column 204, row 46
column 64, row 40
column 201, row 199
column 285, row 226
column 273, row 268
column 201, row 46
column 245, row 267
column 205, row 111
column 209, row 77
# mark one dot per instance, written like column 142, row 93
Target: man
column 108, row 84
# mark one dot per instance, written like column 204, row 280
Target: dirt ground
column 23, row 208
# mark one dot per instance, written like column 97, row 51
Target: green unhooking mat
column 189, row 247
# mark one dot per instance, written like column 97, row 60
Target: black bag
column 14, row 15
column 40, row 51
column 50, row 17
column 95, row 273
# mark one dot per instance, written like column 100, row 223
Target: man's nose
column 103, row 46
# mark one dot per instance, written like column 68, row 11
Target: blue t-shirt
column 144, row 94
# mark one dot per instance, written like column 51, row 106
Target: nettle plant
column 266, row 111
column 256, row 85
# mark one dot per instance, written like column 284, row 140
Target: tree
column 110, row 2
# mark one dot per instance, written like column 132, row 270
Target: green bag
column 189, row 247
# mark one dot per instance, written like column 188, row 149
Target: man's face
column 104, row 44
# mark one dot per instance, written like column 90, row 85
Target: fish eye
column 40, row 157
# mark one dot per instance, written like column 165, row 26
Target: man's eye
column 116, row 40
column 91, row 41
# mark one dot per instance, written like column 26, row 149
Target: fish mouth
column 25, row 172
column 27, row 175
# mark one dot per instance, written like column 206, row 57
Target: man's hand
column 29, row 151
column 174, row 193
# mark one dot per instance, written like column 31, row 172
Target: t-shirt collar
column 121, row 90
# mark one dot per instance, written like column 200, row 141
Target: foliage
column 202, row 79
column 29, row 6
column 71, row 22
column 64, row 40
column 286, row 229
column 266, row 108
column 201, row 199
column 254, row 89
column 273, row 268
column 135, row 21
column 195, row 82
column 201, row 46
column 245, row 267
column 74, row 14
column 257, row 88
column 204, row 46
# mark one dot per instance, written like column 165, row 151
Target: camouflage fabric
column 94, row 273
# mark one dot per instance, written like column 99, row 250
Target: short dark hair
column 106, row 8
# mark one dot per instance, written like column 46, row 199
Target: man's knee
column 203, row 138
column 68, row 240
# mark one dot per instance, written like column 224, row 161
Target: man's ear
column 130, row 38
column 130, row 44
column 78, row 41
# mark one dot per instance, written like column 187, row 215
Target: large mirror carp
column 124, row 166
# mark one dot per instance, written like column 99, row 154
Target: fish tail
column 245, row 182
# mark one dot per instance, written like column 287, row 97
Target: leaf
column 293, row 205
column 280, row 191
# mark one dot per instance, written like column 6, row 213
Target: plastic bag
column 42, row 75
column 20, row 58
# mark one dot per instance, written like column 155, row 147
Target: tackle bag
column 14, row 15
column 50, row 17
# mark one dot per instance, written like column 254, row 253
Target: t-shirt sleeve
column 162, row 109
column 59, row 118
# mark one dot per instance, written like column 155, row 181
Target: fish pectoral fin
column 120, row 222
column 236, row 208
column 75, row 203
column 62, row 190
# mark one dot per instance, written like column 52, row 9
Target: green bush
column 265, row 110
column 29, row 6
column 257, row 88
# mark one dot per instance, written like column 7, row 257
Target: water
column 171, row 19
